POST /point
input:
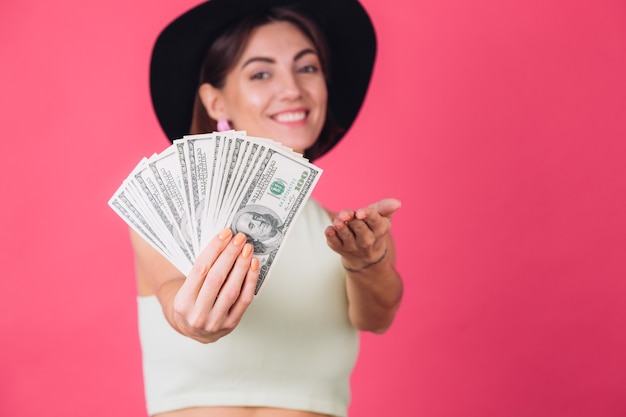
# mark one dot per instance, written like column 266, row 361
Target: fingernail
column 247, row 250
column 254, row 265
column 225, row 234
column 239, row 239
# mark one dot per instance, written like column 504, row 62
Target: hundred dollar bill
column 198, row 152
column 249, row 155
column 129, row 203
column 238, row 151
column 227, row 162
column 168, row 175
column 207, row 221
column 149, row 184
column 272, row 201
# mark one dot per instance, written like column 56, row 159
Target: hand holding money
column 179, row 199
column 220, row 287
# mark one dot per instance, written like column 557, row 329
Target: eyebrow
column 272, row 61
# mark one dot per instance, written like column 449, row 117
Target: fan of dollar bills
column 179, row 199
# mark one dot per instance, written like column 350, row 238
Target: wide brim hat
column 180, row 49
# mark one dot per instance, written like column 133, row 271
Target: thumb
column 387, row 206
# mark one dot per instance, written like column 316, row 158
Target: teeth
column 291, row 117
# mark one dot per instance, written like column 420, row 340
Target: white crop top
column 294, row 347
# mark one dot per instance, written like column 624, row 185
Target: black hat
column 180, row 49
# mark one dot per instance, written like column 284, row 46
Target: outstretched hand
column 361, row 236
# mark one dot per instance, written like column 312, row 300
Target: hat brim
column 179, row 51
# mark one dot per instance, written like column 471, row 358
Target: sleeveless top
column 294, row 347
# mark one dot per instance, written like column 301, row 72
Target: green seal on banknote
column 277, row 187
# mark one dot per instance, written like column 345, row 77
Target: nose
column 289, row 87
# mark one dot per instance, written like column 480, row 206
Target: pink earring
column 222, row 124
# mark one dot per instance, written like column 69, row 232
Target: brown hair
column 227, row 49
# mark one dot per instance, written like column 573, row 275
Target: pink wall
column 501, row 126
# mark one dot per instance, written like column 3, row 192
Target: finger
column 191, row 287
column 346, row 235
column 332, row 239
column 342, row 218
column 231, row 289
column 217, row 274
column 363, row 235
column 365, row 212
column 246, row 296
column 387, row 206
column 379, row 225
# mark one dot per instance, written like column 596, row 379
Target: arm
column 374, row 287
column 209, row 303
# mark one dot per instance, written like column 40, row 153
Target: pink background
column 501, row 126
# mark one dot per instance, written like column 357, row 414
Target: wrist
column 367, row 265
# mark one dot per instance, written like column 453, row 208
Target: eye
column 308, row 69
column 261, row 75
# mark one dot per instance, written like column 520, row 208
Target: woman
column 266, row 67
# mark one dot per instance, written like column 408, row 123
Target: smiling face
column 275, row 90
